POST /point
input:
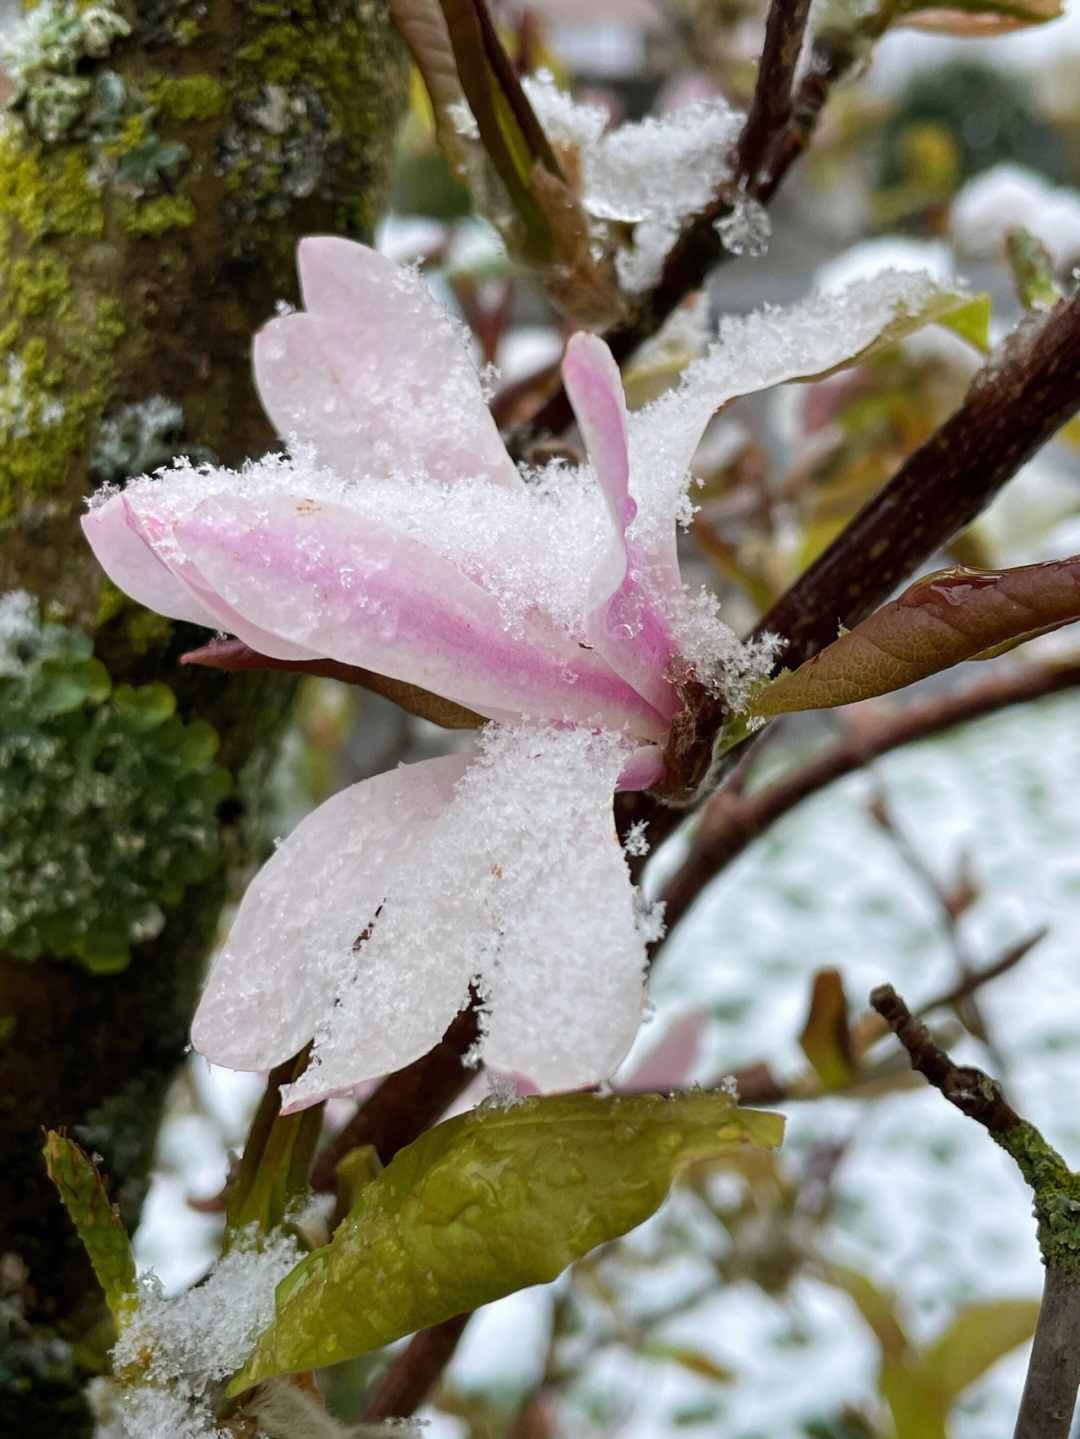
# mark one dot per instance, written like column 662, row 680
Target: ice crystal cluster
column 653, row 174
column 173, row 1355
column 107, row 799
column 396, row 534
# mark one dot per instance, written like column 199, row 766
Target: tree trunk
column 153, row 184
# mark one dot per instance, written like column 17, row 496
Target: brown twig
column 406, row 1102
column 831, row 57
column 1049, row 1398
column 415, row 1372
column 771, row 107
column 730, row 821
column 973, row 1092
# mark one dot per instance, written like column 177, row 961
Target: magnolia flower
column 397, row 535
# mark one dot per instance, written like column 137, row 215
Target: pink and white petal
column 594, row 388
column 626, row 626
column 376, row 375
column 131, row 563
column 152, row 517
column 644, row 768
column 564, row 998
column 322, row 577
column 669, row 1064
column 293, row 943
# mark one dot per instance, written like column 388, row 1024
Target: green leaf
column 918, row 1403
column 877, row 1307
column 488, row 1203
column 977, row 17
column 826, row 1036
column 692, row 1360
column 977, row 1338
column 86, row 1199
column 276, row 1165
column 938, row 622
column 1033, row 270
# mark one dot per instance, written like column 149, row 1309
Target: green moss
column 186, row 97
column 109, row 799
column 1057, row 1195
column 154, row 215
column 315, row 81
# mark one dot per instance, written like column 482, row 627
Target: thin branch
column 831, row 57
column 973, row 1092
column 415, row 1372
column 771, row 107
column 406, row 1102
column 730, row 821
column 1049, row 1398
column 1027, row 389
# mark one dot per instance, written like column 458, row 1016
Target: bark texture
column 153, row 184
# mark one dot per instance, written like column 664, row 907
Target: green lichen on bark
column 109, row 800
column 141, row 244
column 1056, row 1191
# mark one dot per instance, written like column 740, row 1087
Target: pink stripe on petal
column 158, row 532
column 131, row 563
column 376, row 376
column 291, row 945
column 322, row 577
column 626, row 626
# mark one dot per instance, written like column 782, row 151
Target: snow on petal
column 293, row 944
column 754, row 352
column 130, row 562
column 565, row 994
column 625, row 625
column 376, row 374
column 326, row 578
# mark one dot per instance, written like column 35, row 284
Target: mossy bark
column 145, row 233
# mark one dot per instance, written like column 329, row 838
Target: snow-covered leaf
column 96, row 1218
column 486, row 1204
column 938, row 622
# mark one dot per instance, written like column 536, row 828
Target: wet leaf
column 488, row 1203
column 940, row 621
column 86, row 1198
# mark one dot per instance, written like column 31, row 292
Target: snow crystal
column 520, row 881
column 657, row 169
column 181, row 1348
column 745, row 230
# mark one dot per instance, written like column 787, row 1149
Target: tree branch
column 771, row 107
column 1049, row 1398
column 973, row 1092
column 415, row 1372
column 1027, row 389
